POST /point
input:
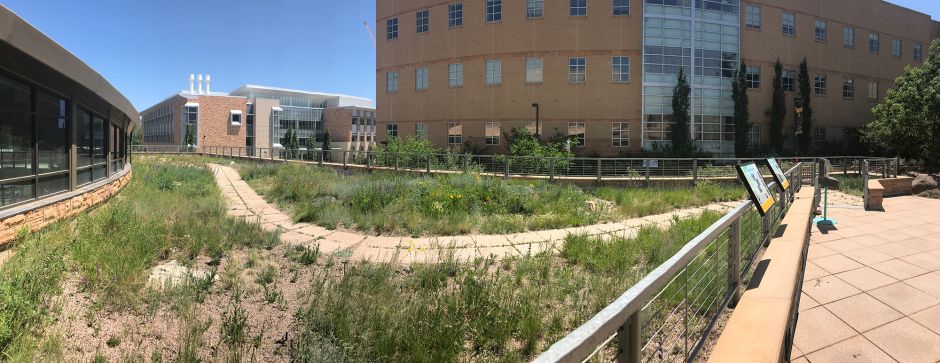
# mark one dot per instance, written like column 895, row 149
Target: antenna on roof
column 208, row 79
column 192, row 79
column 371, row 34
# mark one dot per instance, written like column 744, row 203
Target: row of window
column 820, row 83
column 157, row 125
column 493, row 12
column 577, row 73
column 620, row 132
column 821, row 33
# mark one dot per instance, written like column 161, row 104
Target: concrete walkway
column 871, row 292
column 243, row 201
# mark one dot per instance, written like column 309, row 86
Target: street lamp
column 537, row 126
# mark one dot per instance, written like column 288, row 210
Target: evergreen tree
column 681, row 134
column 293, row 146
column 742, row 126
column 190, row 138
column 806, row 138
column 326, row 148
column 778, row 110
column 311, row 150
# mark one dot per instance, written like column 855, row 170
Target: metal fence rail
column 668, row 314
column 640, row 170
column 883, row 168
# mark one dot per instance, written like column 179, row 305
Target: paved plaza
column 871, row 292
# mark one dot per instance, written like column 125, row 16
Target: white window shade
column 191, row 104
column 275, row 108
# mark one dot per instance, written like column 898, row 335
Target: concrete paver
column 871, row 291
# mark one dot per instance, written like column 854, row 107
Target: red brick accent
column 214, row 126
column 44, row 215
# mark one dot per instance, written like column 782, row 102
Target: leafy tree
column 741, row 124
column 522, row 142
column 778, row 110
column 907, row 121
column 806, row 138
column 326, row 147
column 681, row 134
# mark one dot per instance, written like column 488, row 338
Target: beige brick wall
column 44, row 215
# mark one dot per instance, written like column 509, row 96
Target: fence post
column 628, row 339
column 734, row 262
column 845, row 166
column 466, row 163
column 648, row 162
column 599, row 170
column 321, row 157
column 506, row 171
column 864, row 171
column 694, row 172
column 767, row 221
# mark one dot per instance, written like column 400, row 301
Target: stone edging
column 244, row 202
column 43, row 212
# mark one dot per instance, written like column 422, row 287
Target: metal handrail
column 622, row 317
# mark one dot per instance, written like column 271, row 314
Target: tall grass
column 639, row 202
column 505, row 310
column 851, row 185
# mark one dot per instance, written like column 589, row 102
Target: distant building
column 603, row 72
column 258, row 117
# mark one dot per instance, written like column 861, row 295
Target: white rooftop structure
column 331, row 100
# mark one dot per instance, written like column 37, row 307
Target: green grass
column 393, row 203
column 851, row 185
column 172, row 209
column 486, row 310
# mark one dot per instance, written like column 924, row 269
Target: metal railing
column 879, row 168
column 640, row 170
column 667, row 315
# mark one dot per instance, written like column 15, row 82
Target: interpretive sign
column 778, row 174
column 760, row 193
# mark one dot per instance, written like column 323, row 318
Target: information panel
column 754, row 181
column 778, row 174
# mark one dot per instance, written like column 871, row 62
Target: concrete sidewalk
column 243, row 201
column 871, row 291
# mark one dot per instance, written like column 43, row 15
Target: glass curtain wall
column 250, row 129
column 704, row 41
column 302, row 114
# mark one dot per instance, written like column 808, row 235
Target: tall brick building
column 258, row 117
column 602, row 71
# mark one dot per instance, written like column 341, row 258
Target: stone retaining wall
column 43, row 212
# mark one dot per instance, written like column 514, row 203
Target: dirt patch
column 171, row 321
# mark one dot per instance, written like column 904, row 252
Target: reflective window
column 874, row 43
column 820, row 85
column 896, row 48
column 918, row 52
column 752, row 16
column 534, row 8
column 621, row 7
column 16, row 145
column 753, row 77
column 421, row 130
column 455, row 133
column 788, row 24
column 391, row 82
column 576, row 133
column 491, row 133
column 191, row 125
column 421, row 78
column 873, row 91
column 620, row 66
column 620, row 134
column 422, row 21
column 577, row 69
column 391, row 130
column 494, row 10
column 848, row 37
column 533, row 70
column 455, row 74
column 454, row 15
column 788, row 78
column 391, row 29
column 52, row 133
column 577, row 7
column 848, row 88
column 494, row 72
column 822, row 31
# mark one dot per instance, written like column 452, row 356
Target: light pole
column 537, row 126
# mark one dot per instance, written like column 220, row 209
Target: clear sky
column 148, row 48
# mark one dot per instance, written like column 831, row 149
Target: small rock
column 172, row 274
column 924, row 182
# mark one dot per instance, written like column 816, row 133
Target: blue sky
column 148, row 48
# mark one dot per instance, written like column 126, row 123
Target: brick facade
column 49, row 211
column 214, row 126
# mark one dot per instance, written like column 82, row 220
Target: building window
column 789, row 80
column 753, row 77
column 848, row 88
column 421, row 21
column 455, row 74
column 235, row 117
column 391, row 28
column 391, row 130
column 621, row 7
column 455, row 133
column 491, row 133
column 873, row 91
column 819, row 136
column 819, row 85
column 822, row 31
column 576, row 133
column 534, row 127
column 391, row 82
column 534, row 9
column 918, row 52
column 421, row 78
column 788, row 24
column 621, row 69
column 620, row 134
column 533, row 70
column 874, row 44
column 577, row 69
column 191, row 123
column 494, row 11
column 848, row 37
column 753, row 137
column 752, row 16
column 454, row 15
column 494, row 72
column 896, row 48
column 421, row 131
column 577, row 7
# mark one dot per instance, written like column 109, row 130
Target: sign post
column 756, row 187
